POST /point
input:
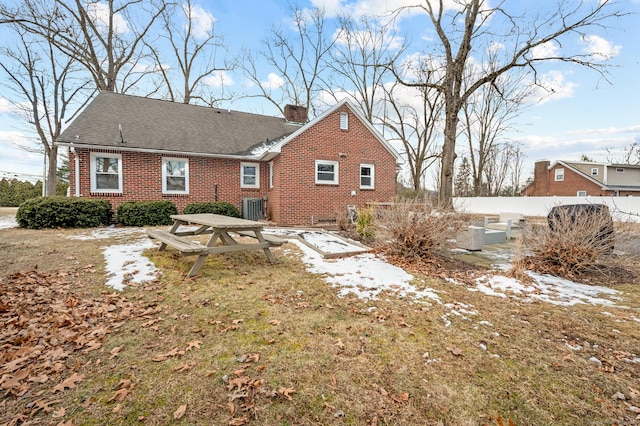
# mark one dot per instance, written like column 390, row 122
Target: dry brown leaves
column 245, row 388
column 46, row 324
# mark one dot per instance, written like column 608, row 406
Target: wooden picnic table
column 219, row 226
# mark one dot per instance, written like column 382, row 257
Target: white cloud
column 546, row 50
column 552, row 86
column 201, row 20
column 376, row 8
column 99, row 14
column 273, row 82
column 219, row 79
column 599, row 47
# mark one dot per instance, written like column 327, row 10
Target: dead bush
column 572, row 243
column 412, row 229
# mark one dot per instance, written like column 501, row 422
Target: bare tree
column 628, row 155
column 486, row 116
column 415, row 125
column 360, row 47
column 194, row 47
column 104, row 37
column 299, row 61
column 465, row 28
column 45, row 88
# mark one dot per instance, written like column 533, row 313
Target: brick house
column 581, row 179
column 294, row 172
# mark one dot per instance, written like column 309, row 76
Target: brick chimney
column 295, row 113
column 541, row 177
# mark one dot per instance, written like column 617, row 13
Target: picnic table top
column 219, row 221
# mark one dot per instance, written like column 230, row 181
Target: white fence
column 622, row 208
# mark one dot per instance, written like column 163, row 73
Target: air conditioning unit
column 252, row 208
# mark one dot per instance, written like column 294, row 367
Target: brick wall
column 142, row 180
column 295, row 198
column 299, row 200
column 545, row 183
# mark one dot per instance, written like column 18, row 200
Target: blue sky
column 587, row 115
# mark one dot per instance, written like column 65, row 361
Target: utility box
column 252, row 208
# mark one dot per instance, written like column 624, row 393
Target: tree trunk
column 52, row 158
column 445, row 195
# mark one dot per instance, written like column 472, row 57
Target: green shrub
column 216, row 207
column 146, row 213
column 365, row 223
column 63, row 212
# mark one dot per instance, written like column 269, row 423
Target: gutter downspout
column 76, row 176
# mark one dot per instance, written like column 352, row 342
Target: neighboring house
column 581, row 179
column 295, row 172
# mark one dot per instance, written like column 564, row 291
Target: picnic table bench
column 219, row 226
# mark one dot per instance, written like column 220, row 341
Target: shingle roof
column 152, row 124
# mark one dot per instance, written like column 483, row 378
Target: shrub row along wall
column 622, row 208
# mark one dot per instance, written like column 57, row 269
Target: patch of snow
column 7, row 222
column 324, row 241
column 363, row 275
column 125, row 263
column 108, row 232
column 545, row 288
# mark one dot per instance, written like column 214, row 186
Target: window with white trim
column 594, row 171
column 344, row 121
column 106, row 172
column 581, row 194
column 327, row 172
column 559, row 174
column 249, row 175
column 367, row 174
column 175, row 176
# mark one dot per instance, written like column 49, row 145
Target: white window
column 581, row 193
column 106, row 172
column 175, row 176
column 559, row 174
column 619, row 170
column 367, row 176
column 271, row 174
column 594, row 171
column 344, row 121
column 327, row 172
column 249, row 175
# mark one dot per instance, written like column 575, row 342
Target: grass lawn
column 252, row 343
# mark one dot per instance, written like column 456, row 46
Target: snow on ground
column 323, row 241
column 124, row 262
column 546, row 288
column 363, row 275
column 7, row 222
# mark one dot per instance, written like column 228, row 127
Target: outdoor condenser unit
column 252, row 208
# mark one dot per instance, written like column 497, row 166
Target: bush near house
column 215, row 207
column 146, row 213
column 573, row 243
column 413, row 230
column 63, row 212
